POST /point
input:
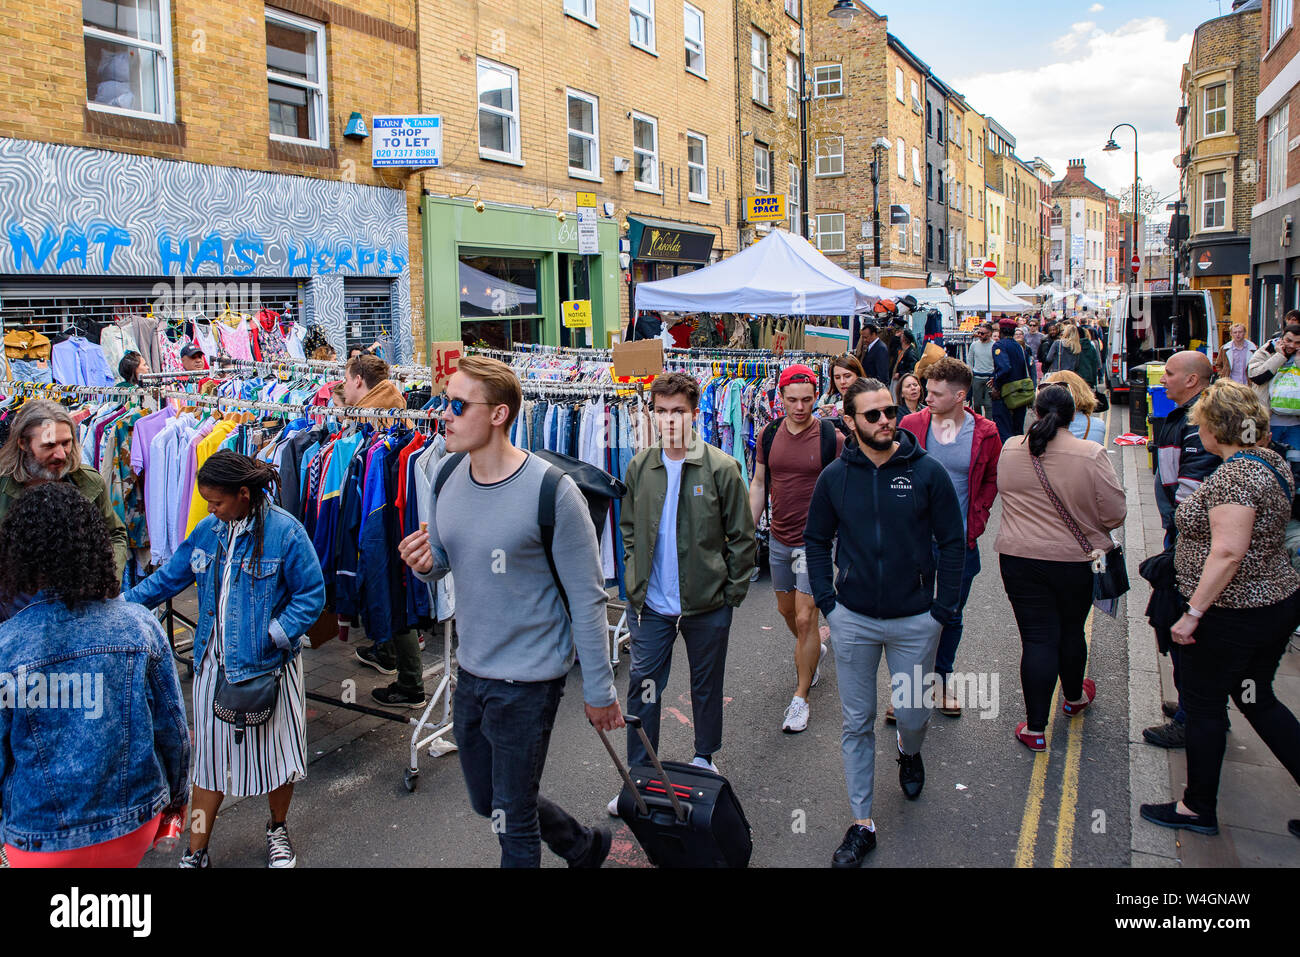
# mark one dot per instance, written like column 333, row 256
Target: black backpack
column 827, row 438
column 597, row 486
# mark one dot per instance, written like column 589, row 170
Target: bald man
column 1182, row 464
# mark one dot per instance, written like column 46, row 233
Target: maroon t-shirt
column 792, row 476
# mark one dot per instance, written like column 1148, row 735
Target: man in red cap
column 791, row 455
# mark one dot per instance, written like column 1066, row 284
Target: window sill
column 122, row 126
column 1278, row 43
column 583, row 174
column 765, row 106
column 702, row 76
column 648, row 50
column 129, row 114
column 827, row 175
column 591, row 23
column 297, row 151
column 704, row 201
column 500, row 158
column 647, row 189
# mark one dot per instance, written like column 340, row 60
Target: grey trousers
column 981, row 400
column 909, row 645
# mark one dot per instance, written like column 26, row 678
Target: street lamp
column 1110, row 147
column 880, row 143
column 844, row 10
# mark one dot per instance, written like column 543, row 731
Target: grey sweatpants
column 909, row 645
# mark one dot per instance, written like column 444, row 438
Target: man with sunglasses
column 517, row 639
column 887, row 500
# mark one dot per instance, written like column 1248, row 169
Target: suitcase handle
column 632, row 721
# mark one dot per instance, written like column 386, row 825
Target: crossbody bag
column 1109, row 573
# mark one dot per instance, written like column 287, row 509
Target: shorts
column 789, row 567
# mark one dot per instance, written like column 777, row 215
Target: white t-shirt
column 663, row 593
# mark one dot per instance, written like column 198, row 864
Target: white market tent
column 1023, row 288
column 782, row 275
column 989, row 296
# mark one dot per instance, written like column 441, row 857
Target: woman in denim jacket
column 94, row 752
column 259, row 589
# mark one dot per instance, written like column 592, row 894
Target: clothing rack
column 60, row 392
column 325, row 365
column 345, row 412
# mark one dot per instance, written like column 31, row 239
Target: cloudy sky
column 1059, row 75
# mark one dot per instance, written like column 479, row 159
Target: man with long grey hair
column 43, row 447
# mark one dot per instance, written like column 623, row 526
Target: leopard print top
column 1265, row 576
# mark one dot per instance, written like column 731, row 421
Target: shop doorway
column 575, row 283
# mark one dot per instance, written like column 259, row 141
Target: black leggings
column 1235, row 655
column 1051, row 602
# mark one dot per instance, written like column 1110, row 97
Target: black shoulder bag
column 1109, row 575
column 246, row 704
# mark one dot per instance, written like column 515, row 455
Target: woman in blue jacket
column 94, row 752
column 260, row 588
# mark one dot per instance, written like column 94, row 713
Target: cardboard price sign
column 638, row 359
column 444, row 357
column 779, row 341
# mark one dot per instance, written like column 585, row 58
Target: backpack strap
column 452, row 463
column 1286, row 491
column 828, row 441
column 769, row 437
column 546, row 501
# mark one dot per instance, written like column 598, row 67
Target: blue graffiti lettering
column 210, row 250
column 323, row 262
column 244, row 248
column 365, row 256
column 383, row 259
column 170, row 257
column 295, row 260
column 74, row 246
column 342, row 258
column 397, row 262
column 109, row 238
column 21, row 244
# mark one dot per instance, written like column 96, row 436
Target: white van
column 1153, row 335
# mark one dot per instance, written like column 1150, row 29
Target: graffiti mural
column 70, row 211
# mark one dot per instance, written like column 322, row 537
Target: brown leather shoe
column 889, row 715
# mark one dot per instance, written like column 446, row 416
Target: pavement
column 988, row 801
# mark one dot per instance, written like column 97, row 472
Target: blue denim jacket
column 93, row 741
column 273, row 601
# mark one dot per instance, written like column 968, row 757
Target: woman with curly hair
column 94, row 751
column 260, row 589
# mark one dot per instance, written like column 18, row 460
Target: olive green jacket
column 90, row 484
column 715, row 528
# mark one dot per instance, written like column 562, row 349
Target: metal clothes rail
column 337, row 412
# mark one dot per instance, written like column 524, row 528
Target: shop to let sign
column 406, row 141
column 444, row 357
column 577, row 313
column 765, row 209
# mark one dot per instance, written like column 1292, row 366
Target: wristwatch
column 1193, row 612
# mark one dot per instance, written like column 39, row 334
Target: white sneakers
column 796, row 716
column 699, row 762
column 612, row 807
column 817, row 675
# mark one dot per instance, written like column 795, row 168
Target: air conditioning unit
column 622, row 164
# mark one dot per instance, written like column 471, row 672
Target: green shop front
column 661, row 248
column 497, row 278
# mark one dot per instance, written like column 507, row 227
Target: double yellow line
column 1063, row 850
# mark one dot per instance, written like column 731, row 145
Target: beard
column 40, row 473
column 877, row 444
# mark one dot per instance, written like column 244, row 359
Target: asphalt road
column 987, row 801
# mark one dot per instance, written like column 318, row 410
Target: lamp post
column 880, row 143
column 1110, row 147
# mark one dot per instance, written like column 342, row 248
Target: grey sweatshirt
column 509, row 616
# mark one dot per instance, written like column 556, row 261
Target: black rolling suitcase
column 696, row 821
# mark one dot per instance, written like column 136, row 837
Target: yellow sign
column 577, row 313
column 587, row 200
column 764, row 209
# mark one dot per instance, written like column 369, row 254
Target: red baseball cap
column 796, row 374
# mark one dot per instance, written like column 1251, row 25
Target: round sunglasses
column 873, row 415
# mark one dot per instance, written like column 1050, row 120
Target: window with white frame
column 641, row 28
column 792, row 204
column 955, row 196
column 1216, row 110
column 128, row 57
column 1276, row 155
column 902, row 159
column 830, row 232
column 758, row 66
column 1280, row 20
column 898, row 83
column 970, row 145
column 916, row 236
column 828, row 80
column 792, row 85
column 916, row 166
column 916, row 97
column 645, row 151
column 584, row 134
column 498, row 111
column 295, row 79
column 697, row 166
column 792, row 8
column 693, row 23
column 830, row 156
column 902, row 238
column 762, row 167
column 1214, row 200
column 582, row 9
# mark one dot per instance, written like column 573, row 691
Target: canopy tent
column 1046, row 289
column 783, row 275
column 1023, row 289
column 989, row 296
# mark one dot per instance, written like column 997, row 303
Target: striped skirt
column 271, row 755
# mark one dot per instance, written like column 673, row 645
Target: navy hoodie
column 886, row 519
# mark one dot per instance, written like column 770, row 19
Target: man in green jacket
column 43, row 447
column 688, row 542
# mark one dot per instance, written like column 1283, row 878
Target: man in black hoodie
column 887, row 500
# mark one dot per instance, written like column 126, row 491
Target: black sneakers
column 601, row 841
column 367, row 656
column 1166, row 815
column 1171, row 735
column 911, row 774
column 394, row 696
column 197, row 858
column 279, row 849
column 859, row 841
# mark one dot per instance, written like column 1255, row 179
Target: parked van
column 1151, row 332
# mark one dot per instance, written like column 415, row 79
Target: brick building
column 181, row 143
column 1079, row 231
column 966, row 156
column 1116, row 270
column 1044, row 174
column 1275, row 269
column 1220, row 81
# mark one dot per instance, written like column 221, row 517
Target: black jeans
column 1235, row 655
column 653, row 636
column 1009, row 422
column 503, row 729
column 1051, row 602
